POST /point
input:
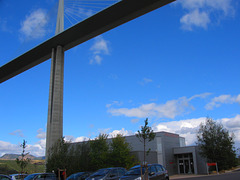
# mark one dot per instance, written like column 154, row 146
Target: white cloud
column 107, row 131
column 77, row 139
column 202, row 96
column 122, row 132
column 188, row 128
column 100, row 47
column 41, row 134
column 170, row 109
column 181, row 127
column 37, row 149
column 18, row 133
column 195, row 18
column 7, row 148
column 232, row 123
column 96, row 59
column 34, row 26
column 200, row 13
column 223, row 5
column 222, row 99
column 81, row 139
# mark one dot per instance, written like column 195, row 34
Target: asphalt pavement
column 230, row 175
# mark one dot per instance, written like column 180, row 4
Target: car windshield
column 100, row 172
column 75, row 175
column 135, row 171
column 18, row 176
column 31, row 176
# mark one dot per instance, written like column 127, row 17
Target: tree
column 120, row 153
column 145, row 135
column 80, row 157
column 74, row 157
column 90, row 155
column 58, row 156
column 23, row 161
column 216, row 144
column 99, row 152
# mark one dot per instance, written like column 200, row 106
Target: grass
column 10, row 167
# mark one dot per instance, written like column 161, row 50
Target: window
column 113, row 173
column 152, row 169
column 163, row 168
column 121, row 172
column 185, row 155
column 4, row 178
column 159, row 168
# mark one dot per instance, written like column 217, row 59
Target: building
column 170, row 150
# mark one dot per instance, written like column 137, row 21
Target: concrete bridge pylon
column 55, row 102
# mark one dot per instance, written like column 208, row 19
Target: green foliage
column 58, row 156
column 99, row 153
column 90, row 156
column 79, row 153
column 23, row 161
column 145, row 135
column 216, row 144
column 70, row 156
column 120, row 153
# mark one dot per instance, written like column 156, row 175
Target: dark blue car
column 155, row 172
column 41, row 176
column 113, row 173
column 79, row 176
column 4, row 177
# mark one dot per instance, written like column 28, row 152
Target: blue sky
column 175, row 65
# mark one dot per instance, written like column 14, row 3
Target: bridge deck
column 97, row 24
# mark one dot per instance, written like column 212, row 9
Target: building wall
column 164, row 149
column 201, row 162
column 170, row 141
column 152, row 156
column 187, row 150
column 161, row 149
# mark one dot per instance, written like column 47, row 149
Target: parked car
column 4, row 177
column 31, row 176
column 155, row 172
column 108, row 173
column 18, row 176
column 41, row 176
column 79, row 176
column 45, row 176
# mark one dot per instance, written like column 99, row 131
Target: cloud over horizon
column 170, row 109
column 222, row 99
column 186, row 128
